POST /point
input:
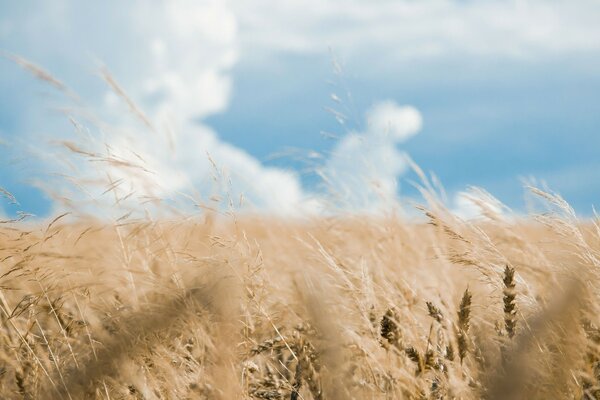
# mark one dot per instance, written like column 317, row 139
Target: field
column 345, row 307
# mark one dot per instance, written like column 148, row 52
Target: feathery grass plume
column 429, row 360
column 40, row 73
column 276, row 343
column 592, row 332
column 434, row 312
column 449, row 353
column 414, row 355
column 509, row 299
column 464, row 315
column 8, row 195
column 119, row 91
column 389, row 329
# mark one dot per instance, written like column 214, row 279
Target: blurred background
column 303, row 100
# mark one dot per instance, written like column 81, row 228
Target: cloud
column 363, row 169
column 203, row 163
column 174, row 59
column 393, row 29
column 190, row 79
column 387, row 121
column 476, row 203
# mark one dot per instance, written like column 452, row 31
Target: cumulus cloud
column 388, row 121
column 363, row 169
column 191, row 48
column 202, row 162
column 173, row 59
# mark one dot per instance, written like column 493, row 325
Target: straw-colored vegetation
column 331, row 308
column 234, row 306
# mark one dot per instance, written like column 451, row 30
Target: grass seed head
column 509, row 299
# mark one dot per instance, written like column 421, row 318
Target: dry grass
column 333, row 308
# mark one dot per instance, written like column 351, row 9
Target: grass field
column 345, row 307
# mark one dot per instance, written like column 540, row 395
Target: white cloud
column 187, row 51
column 393, row 29
column 174, row 59
column 363, row 169
column 189, row 79
column 399, row 123
column 202, row 161
column 476, row 203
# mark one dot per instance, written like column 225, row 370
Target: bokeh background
column 300, row 98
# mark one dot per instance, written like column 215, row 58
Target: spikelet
column 464, row 315
column 510, row 305
column 434, row 312
column 415, row 356
column 389, row 327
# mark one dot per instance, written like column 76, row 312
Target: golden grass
column 332, row 308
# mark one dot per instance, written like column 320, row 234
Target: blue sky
column 505, row 90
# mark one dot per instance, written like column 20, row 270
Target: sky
column 302, row 105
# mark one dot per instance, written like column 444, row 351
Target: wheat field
column 344, row 307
